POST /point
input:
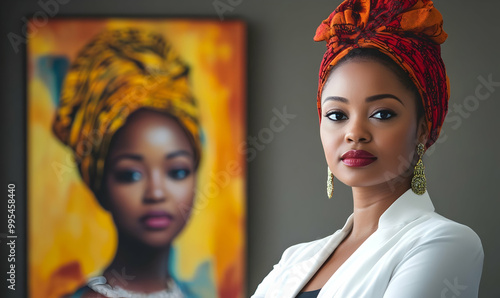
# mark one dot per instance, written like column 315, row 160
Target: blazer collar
column 408, row 207
column 405, row 209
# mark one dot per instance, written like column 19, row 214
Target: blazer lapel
column 295, row 278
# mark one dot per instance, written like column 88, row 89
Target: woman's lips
column 357, row 158
column 156, row 220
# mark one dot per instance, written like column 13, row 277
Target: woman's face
column 150, row 179
column 369, row 128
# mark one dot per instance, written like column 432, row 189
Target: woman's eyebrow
column 178, row 153
column 133, row 156
column 139, row 157
column 336, row 98
column 382, row 96
column 368, row 99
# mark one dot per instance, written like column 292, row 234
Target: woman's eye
column 383, row 115
column 128, row 176
column 179, row 174
column 336, row 116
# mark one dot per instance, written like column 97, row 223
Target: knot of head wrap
column 409, row 32
column 117, row 73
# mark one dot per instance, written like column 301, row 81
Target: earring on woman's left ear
column 418, row 182
column 329, row 184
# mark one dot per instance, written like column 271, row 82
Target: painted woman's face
column 150, row 179
column 369, row 126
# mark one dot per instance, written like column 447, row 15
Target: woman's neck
column 138, row 268
column 369, row 203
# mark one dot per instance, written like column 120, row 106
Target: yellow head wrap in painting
column 117, row 73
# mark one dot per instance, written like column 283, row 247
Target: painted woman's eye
column 179, row 174
column 336, row 116
column 128, row 176
column 384, row 115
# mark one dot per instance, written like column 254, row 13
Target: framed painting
column 136, row 157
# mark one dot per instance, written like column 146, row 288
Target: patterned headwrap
column 117, row 73
column 408, row 31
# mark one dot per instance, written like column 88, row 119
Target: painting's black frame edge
column 19, row 179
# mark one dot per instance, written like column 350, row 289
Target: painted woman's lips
column 156, row 220
column 357, row 158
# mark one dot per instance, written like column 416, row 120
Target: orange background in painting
column 70, row 236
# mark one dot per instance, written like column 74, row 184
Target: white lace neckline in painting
column 99, row 285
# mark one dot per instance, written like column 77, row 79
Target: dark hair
column 401, row 74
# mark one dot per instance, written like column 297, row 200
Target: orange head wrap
column 117, row 73
column 409, row 32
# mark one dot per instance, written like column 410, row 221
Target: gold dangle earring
column 419, row 183
column 329, row 184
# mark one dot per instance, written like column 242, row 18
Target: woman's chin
column 362, row 181
column 157, row 242
column 145, row 241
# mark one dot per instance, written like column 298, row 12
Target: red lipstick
column 357, row 158
column 156, row 220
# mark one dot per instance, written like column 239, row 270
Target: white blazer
column 414, row 252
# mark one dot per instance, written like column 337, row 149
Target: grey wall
column 286, row 181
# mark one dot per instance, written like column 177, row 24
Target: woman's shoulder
column 439, row 225
column 439, row 230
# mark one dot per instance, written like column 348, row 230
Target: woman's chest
column 339, row 256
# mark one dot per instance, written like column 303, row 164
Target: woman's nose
column 155, row 187
column 357, row 131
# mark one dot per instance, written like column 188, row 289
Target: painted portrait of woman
column 128, row 116
column 129, row 91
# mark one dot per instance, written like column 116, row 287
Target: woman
column 382, row 98
column 127, row 112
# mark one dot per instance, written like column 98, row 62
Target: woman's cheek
column 190, row 191
column 397, row 156
column 126, row 193
column 331, row 143
column 181, row 190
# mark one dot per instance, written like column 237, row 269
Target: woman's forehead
column 148, row 129
column 361, row 79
